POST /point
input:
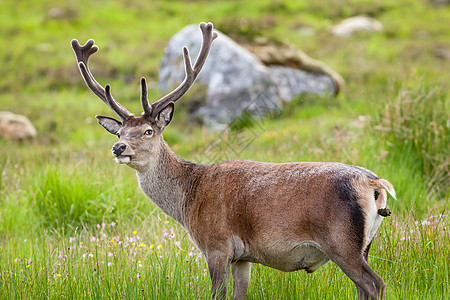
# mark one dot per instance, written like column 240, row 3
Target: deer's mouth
column 123, row 159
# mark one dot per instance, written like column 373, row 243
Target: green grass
column 83, row 198
column 392, row 117
column 155, row 259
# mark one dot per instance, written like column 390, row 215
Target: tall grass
column 415, row 122
column 76, row 197
column 156, row 260
column 69, row 199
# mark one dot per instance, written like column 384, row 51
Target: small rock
column 16, row 127
column 61, row 13
column 442, row 53
column 356, row 24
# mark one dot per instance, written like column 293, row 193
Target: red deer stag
column 288, row 216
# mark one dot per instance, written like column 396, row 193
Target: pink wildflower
column 199, row 255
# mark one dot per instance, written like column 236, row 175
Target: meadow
column 75, row 225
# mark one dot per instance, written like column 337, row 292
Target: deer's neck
column 167, row 180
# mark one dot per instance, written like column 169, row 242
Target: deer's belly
column 305, row 255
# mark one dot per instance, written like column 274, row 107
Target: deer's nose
column 118, row 148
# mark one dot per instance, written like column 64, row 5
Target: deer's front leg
column 218, row 265
column 241, row 278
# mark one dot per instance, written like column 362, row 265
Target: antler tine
column 115, row 106
column 144, row 98
column 83, row 53
column 191, row 72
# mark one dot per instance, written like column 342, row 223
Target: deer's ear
column 110, row 124
column 165, row 116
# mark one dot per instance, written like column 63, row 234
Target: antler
column 83, row 53
column 191, row 74
column 151, row 111
column 144, row 99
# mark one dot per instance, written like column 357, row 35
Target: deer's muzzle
column 123, row 152
column 118, row 149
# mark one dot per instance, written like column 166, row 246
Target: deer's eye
column 148, row 132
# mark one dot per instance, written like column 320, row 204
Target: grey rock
column 234, row 80
column 292, row 82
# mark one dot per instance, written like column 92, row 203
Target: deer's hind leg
column 366, row 256
column 354, row 265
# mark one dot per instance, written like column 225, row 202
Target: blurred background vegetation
column 391, row 117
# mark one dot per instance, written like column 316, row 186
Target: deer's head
column 140, row 138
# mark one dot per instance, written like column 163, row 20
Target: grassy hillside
column 392, row 117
